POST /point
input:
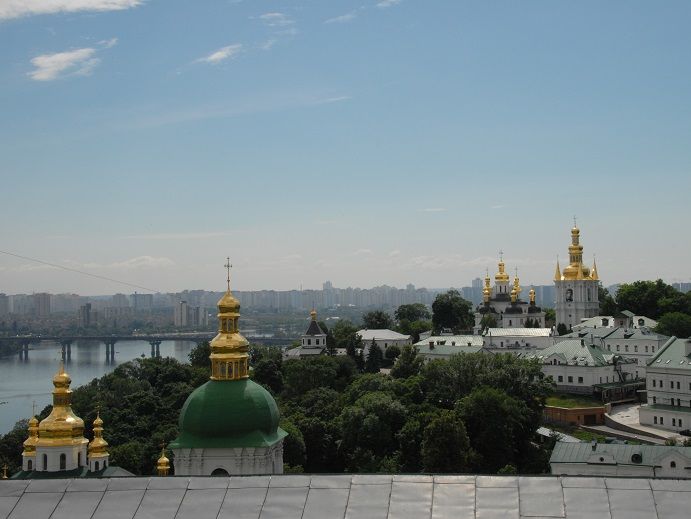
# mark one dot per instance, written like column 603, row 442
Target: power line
column 78, row 271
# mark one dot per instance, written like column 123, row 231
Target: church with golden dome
column 503, row 303
column 229, row 425
column 56, row 446
column 576, row 286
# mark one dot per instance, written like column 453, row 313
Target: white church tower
column 576, row 287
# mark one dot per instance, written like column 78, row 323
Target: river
column 25, row 381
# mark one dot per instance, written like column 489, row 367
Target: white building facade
column 668, row 385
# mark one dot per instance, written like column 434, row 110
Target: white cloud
column 383, row 4
column 276, row 19
column 17, row 8
column 53, row 66
column 222, row 54
column 78, row 62
column 268, row 44
column 109, row 43
column 344, row 18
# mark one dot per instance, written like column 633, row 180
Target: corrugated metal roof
column 576, row 352
column 347, row 497
column 457, row 340
column 565, row 452
column 672, row 355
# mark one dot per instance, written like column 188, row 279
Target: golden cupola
column 163, row 463
column 576, row 269
column 229, row 350
column 32, row 440
column 517, row 285
column 531, row 295
column 501, row 276
column 61, row 427
column 487, row 289
column 98, row 446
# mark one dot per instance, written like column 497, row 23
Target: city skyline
column 368, row 143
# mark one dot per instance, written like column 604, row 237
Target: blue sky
column 362, row 142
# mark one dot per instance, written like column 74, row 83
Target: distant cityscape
column 189, row 308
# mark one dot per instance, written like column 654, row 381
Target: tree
column 408, row 363
column 377, row 320
column 392, row 352
column 301, row 375
column 674, row 323
column 199, row 355
column 550, row 317
column 445, row 444
column 608, row 306
column 413, row 312
column 374, row 358
column 651, row 298
column 488, row 321
column 450, row 310
column 500, row 428
column 562, row 329
column 268, row 373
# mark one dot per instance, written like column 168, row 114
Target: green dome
column 229, row 414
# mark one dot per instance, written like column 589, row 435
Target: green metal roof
column 82, row 472
column 229, row 414
column 576, row 352
column 672, row 355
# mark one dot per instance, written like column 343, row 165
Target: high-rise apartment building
column 42, row 304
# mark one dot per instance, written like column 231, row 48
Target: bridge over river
column 22, row 342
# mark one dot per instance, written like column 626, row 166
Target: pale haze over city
column 365, row 143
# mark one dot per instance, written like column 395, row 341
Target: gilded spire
column 557, row 273
column 229, row 356
column 163, row 463
column 487, row 289
column 593, row 272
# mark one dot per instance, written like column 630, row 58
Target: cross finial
column 516, row 269
column 501, row 255
column 574, row 221
column 228, row 266
column 33, row 408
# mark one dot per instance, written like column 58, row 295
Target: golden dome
column 313, row 314
column 32, row 440
column 514, row 295
column 228, row 304
column 229, row 350
column 163, row 463
column 98, row 446
column 61, row 426
column 531, row 295
column 501, row 276
column 576, row 269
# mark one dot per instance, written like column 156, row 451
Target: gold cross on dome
column 501, row 255
column 228, row 266
column 574, row 221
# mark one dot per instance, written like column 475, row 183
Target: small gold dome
column 228, row 304
column 163, row 463
column 98, row 445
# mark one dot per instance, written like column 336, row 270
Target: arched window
column 79, row 459
column 673, row 464
column 45, row 462
column 63, row 461
column 29, row 465
column 97, row 467
column 220, row 472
